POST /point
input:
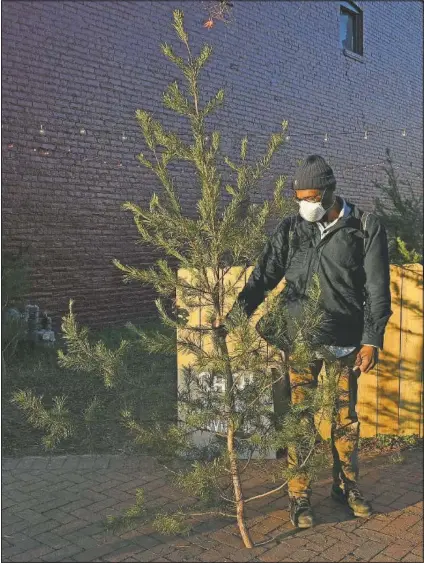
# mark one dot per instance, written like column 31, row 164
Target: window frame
column 356, row 13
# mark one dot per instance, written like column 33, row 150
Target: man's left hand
column 367, row 358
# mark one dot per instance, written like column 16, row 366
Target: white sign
column 217, row 384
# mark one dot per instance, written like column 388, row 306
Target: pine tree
column 226, row 389
column 401, row 213
column 206, row 248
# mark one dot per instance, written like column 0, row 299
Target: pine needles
column 401, row 214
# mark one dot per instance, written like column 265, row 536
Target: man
column 348, row 251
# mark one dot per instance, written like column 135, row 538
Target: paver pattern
column 53, row 509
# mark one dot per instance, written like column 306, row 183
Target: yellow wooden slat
column 411, row 351
column 184, row 359
column 206, row 311
column 235, row 279
column 388, row 365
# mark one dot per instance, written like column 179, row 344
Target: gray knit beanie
column 314, row 174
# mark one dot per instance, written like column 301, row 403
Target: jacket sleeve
column 269, row 270
column 377, row 284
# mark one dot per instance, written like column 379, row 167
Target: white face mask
column 314, row 211
column 311, row 211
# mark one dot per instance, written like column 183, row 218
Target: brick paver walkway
column 53, row 510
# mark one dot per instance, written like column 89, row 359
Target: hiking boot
column 351, row 496
column 301, row 515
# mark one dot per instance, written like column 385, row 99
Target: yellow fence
column 390, row 397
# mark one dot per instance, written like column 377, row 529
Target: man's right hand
column 366, row 358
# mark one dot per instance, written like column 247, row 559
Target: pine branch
column 56, row 421
column 401, row 214
column 88, row 358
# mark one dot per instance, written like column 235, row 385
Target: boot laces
column 302, row 502
column 354, row 493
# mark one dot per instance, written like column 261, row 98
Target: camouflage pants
column 344, row 424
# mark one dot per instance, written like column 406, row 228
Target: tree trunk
column 235, row 475
column 238, row 492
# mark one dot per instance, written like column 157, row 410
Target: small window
column 351, row 27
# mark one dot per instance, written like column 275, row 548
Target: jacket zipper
column 308, row 278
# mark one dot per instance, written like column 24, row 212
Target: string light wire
column 47, row 150
column 401, row 130
column 117, row 163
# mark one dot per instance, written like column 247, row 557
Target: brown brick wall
column 68, row 65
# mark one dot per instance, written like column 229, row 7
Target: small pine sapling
column 401, row 211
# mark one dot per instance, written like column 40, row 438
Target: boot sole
column 303, row 526
column 345, row 503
